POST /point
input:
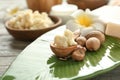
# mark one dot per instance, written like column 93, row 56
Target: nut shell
column 79, row 53
column 62, row 52
column 76, row 34
column 96, row 34
column 81, row 40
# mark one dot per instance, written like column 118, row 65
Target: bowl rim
column 58, row 23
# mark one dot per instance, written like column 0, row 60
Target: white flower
column 85, row 21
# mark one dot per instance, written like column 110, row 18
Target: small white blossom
column 85, row 21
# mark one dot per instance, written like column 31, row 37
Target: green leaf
column 38, row 62
column 8, row 77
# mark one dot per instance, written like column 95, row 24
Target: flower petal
column 77, row 13
column 86, row 31
column 90, row 14
column 71, row 25
column 87, row 10
column 99, row 26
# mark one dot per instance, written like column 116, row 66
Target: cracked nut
column 79, row 53
column 96, row 34
column 76, row 34
column 62, row 52
column 81, row 40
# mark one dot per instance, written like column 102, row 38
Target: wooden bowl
column 30, row 35
column 62, row 52
column 91, row 4
column 42, row 5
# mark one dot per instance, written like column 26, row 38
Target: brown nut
column 79, row 53
column 81, row 40
column 93, row 44
column 96, row 34
column 62, row 52
column 76, row 34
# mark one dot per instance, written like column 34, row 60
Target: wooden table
column 10, row 48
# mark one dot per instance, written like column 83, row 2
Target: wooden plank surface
column 9, row 47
